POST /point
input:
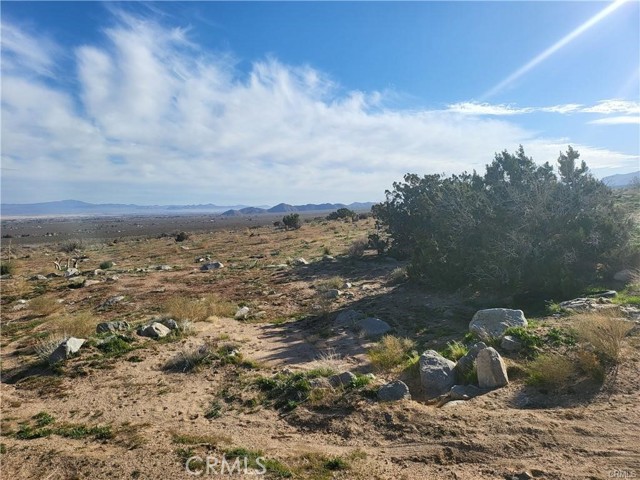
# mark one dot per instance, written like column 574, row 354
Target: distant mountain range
column 76, row 207
column 622, row 179
column 309, row 207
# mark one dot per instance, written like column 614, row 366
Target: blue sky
column 257, row 103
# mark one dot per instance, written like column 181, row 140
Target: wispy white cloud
column 24, row 51
column 605, row 107
column 156, row 119
column 609, row 107
column 621, row 120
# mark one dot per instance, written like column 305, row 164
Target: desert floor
column 124, row 414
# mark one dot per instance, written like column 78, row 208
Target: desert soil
column 513, row 432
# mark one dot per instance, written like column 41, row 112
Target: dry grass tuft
column 551, row 370
column 78, row 324
column 357, row 248
column 603, row 334
column 390, row 352
column 43, row 306
column 198, row 310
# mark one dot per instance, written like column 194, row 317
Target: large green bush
column 517, row 229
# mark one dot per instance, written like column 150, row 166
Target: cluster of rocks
column 444, row 379
column 358, row 322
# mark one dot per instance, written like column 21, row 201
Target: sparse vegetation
column 198, row 310
column 7, row 268
column 455, row 350
column 43, row 306
column 390, row 352
column 81, row 324
column 106, row 265
column 357, row 248
column 603, row 333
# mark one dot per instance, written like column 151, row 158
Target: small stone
column 464, row 392
column 170, row 323
column 155, row 330
column 344, row 378
column 111, row 301
column 347, row 318
column 320, row 382
column 116, row 326
column 66, row 349
column 164, row 267
column 372, row 327
column 510, row 343
column 394, row 391
column 38, row 278
column 211, row 266
column 90, row 282
column 300, row 261
column 77, row 282
column 332, row 293
column 242, row 313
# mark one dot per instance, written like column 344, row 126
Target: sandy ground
column 513, row 432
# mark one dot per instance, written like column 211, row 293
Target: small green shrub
column 115, row 346
column 454, row 350
column 336, row 463
column 106, row 265
column 7, row 268
column 292, row 221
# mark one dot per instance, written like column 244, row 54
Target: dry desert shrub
column 198, row 310
column 329, row 361
column 43, row 306
column 390, row 352
column 357, row 248
column 603, row 334
column 550, row 370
